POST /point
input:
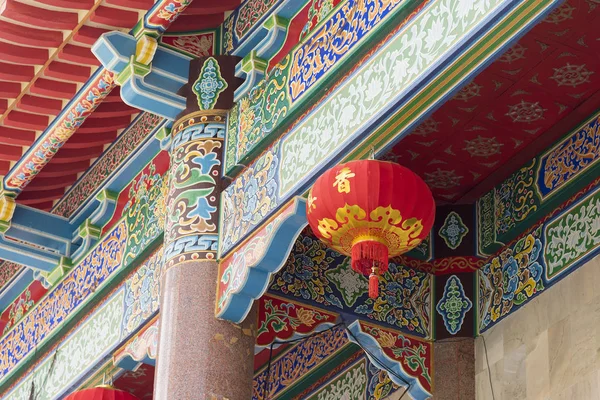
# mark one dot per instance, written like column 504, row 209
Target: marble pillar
column 199, row 357
column 454, row 369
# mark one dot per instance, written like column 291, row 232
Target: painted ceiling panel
column 540, row 81
column 46, row 57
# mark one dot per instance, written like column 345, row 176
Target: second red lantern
column 370, row 210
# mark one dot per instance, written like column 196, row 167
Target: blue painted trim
column 156, row 91
column 28, row 256
column 16, row 286
column 86, row 244
column 257, row 279
column 130, row 364
column 114, row 49
column 102, row 215
column 366, row 341
column 37, row 239
column 41, row 228
column 63, row 239
column 137, row 93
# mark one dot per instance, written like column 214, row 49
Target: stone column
column 199, row 357
column 454, row 369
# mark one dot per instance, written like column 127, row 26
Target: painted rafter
column 89, row 97
column 94, row 133
column 48, row 65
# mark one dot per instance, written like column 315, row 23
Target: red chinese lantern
column 370, row 210
column 104, row 392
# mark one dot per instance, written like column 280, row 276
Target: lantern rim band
column 368, row 238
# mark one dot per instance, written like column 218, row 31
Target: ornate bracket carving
column 244, row 275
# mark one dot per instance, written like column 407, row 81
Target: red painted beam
column 3, row 105
column 99, row 125
column 23, row 120
column 67, row 72
column 62, row 169
column 113, row 96
column 114, row 17
column 10, row 90
column 11, row 73
column 53, row 89
column 51, row 183
column 23, row 55
column 38, row 17
column 16, row 137
column 139, row 4
column 10, row 153
column 78, row 55
column 4, row 167
column 88, row 35
column 40, row 105
column 84, row 141
column 207, row 7
column 37, row 196
column 66, row 156
column 69, row 4
column 29, row 36
column 114, row 109
column 186, row 23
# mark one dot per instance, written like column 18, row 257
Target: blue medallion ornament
column 453, row 231
column 209, row 85
column 454, row 305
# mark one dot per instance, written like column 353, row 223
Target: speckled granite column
column 199, row 357
column 454, row 369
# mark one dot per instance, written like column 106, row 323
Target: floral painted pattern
column 372, row 88
column 323, row 277
column 350, row 384
column 281, row 319
column 145, row 210
column 571, row 236
column 142, row 293
column 510, row 279
column 44, row 149
column 249, row 199
column 320, row 136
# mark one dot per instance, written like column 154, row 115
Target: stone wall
column 550, row 348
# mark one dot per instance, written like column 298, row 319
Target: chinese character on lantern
column 370, row 210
